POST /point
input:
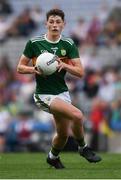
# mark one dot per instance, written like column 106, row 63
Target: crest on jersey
column 63, row 52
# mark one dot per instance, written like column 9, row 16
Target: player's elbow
column 19, row 69
column 81, row 73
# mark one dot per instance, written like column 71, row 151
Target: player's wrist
column 66, row 66
column 32, row 70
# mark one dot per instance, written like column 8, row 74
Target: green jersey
column 64, row 48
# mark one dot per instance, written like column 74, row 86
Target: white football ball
column 47, row 62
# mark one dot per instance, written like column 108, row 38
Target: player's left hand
column 61, row 65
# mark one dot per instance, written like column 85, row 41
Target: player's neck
column 53, row 38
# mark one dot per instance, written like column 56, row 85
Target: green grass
column 33, row 166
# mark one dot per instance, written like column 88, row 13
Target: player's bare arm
column 24, row 68
column 75, row 69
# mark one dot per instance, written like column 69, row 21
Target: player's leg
column 63, row 109
column 62, row 132
column 58, row 142
column 84, row 150
column 68, row 111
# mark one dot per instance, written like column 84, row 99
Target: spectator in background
column 5, row 7
column 118, row 84
column 103, row 13
column 99, row 116
column 94, row 29
column 4, row 121
column 6, row 79
column 91, row 61
column 26, row 89
column 115, row 121
column 19, row 131
column 37, row 15
column 4, row 26
column 108, row 85
column 111, row 32
column 91, row 84
column 80, row 31
column 96, row 117
column 29, row 132
column 23, row 24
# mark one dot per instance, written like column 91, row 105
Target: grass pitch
column 33, row 166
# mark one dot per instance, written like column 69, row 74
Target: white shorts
column 43, row 101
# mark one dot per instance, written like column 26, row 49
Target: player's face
column 55, row 25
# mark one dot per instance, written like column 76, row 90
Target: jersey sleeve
column 73, row 51
column 28, row 50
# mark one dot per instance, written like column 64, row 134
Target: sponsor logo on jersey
column 63, row 52
column 43, row 51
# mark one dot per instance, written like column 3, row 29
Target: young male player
column 51, row 93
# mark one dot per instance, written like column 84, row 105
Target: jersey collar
column 54, row 42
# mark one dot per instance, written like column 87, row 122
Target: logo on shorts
column 63, row 52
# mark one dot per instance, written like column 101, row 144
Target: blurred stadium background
column 95, row 26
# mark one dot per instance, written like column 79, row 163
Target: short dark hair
column 55, row 12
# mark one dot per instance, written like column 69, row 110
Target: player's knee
column 77, row 116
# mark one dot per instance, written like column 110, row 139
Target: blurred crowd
column 18, row 25
column 23, row 126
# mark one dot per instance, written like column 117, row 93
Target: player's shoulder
column 67, row 40
column 37, row 38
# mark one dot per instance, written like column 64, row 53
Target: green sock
column 55, row 151
column 81, row 142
